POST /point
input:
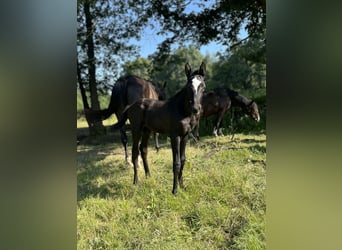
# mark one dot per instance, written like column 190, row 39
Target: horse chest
column 184, row 126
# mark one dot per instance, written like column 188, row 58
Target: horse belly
column 157, row 123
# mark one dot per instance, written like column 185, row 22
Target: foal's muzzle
column 196, row 110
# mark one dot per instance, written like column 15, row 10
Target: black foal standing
column 175, row 117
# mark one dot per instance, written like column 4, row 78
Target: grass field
column 223, row 206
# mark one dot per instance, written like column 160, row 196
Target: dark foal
column 126, row 91
column 219, row 100
column 174, row 117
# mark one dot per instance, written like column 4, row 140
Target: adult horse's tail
column 98, row 115
column 119, row 93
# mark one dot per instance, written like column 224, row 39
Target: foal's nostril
column 194, row 110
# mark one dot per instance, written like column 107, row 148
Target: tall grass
column 223, row 206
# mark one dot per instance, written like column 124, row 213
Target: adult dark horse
column 175, row 117
column 219, row 100
column 126, row 91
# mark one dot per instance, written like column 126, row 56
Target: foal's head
column 253, row 111
column 195, row 87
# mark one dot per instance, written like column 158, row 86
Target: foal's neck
column 180, row 101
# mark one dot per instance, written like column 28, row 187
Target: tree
column 241, row 68
column 171, row 68
column 141, row 67
column 104, row 29
column 220, row 21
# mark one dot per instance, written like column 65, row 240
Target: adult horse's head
column 195, row 87
column 253, row 111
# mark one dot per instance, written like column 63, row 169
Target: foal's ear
column 187, row 70
column 202, row 69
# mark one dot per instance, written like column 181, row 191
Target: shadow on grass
column 98, row 177
column 95, row 176
column 91, row 181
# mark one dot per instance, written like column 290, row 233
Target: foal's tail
column 122, row 120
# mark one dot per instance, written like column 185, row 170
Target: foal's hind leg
column 143, row 149
column 124, row 141
column 135, row 153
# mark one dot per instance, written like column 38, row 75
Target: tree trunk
column 84, row 97
column 97, row 126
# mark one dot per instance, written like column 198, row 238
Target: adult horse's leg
column 156, row 143
column 143, row 149
column 123, row 134
column 175, row 143
column 217, row 125
column 219, row 122
column 182, row 159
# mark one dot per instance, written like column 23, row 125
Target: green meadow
column 223, row 206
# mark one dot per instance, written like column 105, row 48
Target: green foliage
column 242, row 68
column 114, row 24
column 103, row 99
column 212, row 21
column 140, row 67
column 170, row 68
column 223, row 206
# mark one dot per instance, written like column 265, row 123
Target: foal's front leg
column 156, row 142
column 182, row 159
column 175, row 143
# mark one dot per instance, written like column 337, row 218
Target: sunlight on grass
column 223, row 206
column 82, row 123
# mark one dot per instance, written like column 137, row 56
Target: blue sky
column 150, row 40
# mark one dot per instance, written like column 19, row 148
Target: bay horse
column 126, row 91
column 219, row 100
column 174, row 117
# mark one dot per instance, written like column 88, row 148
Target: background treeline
column 109, row 40
column 242, row 69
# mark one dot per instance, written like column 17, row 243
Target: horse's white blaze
column 195, row 84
